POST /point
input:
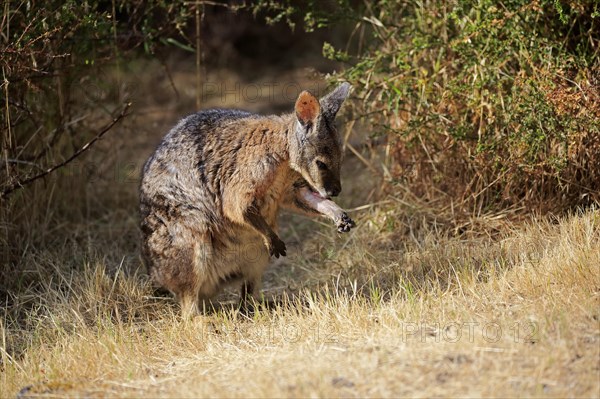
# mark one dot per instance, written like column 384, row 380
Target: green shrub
column 494, row 103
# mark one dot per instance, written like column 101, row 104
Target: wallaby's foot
column 276, row 247
column 189, row 307
column 344, row 224
column 247, row 307
column 249, row 298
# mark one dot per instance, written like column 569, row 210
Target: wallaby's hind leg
column 189, row 305
column 185, row 288
column 253, row 270
column 172, row 262
column 250, row 294
column 250, row 289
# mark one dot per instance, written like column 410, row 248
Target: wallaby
column 211, row 192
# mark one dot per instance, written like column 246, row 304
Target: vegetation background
column 472, row 167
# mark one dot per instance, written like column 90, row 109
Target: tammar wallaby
column 211, row 192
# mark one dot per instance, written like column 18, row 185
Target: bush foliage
column 495, row 104
column 55, row 94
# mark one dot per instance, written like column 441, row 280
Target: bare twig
column 20, row 161
column 363, row 159
column 209, row 3
column 22, row 183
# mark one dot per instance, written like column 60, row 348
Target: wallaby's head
column 315, row 145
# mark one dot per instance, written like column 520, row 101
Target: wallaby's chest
column 274, row 195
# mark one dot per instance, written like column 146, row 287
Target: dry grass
column 399, row 315
column 408, row 304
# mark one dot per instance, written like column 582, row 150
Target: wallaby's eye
column 321, row 165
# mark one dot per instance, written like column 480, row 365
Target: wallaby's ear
column 307, row 108
column 332, row 102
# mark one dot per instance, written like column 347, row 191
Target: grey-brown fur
column 211, row 192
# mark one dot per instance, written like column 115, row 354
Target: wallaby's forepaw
column 345, row 223
column 276, row 247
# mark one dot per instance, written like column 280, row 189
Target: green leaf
column 177, row 43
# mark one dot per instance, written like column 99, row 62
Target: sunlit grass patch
column 522, row 310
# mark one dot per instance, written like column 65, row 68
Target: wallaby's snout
column 334, row 190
